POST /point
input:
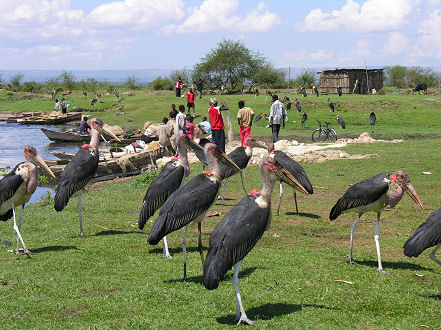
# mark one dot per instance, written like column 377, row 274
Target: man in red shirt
column 217, row 123
column 190, row 101
column 178, row 87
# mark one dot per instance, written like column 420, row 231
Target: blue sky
column 172, row 34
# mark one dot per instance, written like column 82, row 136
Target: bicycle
column 321, row 134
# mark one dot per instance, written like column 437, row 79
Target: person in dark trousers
column 190, row 101
column 178, row 86
column 199, row 86
column 63, row 105
column 217, row 123
column 277, row 117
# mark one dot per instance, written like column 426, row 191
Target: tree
column 16, row 80
column 230, row 64
column 267, row 75
column 306, row 79
column 67, row 79
column 1, row 78
column 131, row 82
column 418, row 75
column 184, row 74
column 396, row 76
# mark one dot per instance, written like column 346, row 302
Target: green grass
column 112, row 278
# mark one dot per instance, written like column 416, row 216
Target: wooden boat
column 50, row 119
column 20, row 115
column 72, row 136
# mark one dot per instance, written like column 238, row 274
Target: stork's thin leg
column 295, row 200
column 80, row 200
column 165, row 249
column 201, row 252
column 223, row 194
column 377, row 243
column 280, row 198
column 19, row 228
column 351, row 260
column 25, row 250
column 240, row 311
column 184, row 249
column 243, row 184
column 432, row 255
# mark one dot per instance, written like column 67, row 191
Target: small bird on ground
column 372, row 119
column 304, row 118
column 331, row 105
column 341, row 122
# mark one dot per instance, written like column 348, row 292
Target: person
column 180, row 121
column 190, row 126
column 173, row 112
column 190, row 101
column 199, row 87
column 205, row 126
column 245, row 120
column 178, row 87
column 84, row 126
column 57, row 105
column 277, row 117
column 217, row 123
column 63, row 105
column 164, row 133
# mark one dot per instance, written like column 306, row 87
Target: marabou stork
column 191, row 202
column 201, row 154
column 427, row 235
column 115, row 92
column 372, row 119
column 304, row 118
column 303, row 90
column 168, row 181
column 81, row 169
column 17, row 187
column 341, row 122
column 298, row 105
column 241, row 157
column 302, row 182
column 315, row 90
column 374, row 194
column 95, row 100
column 268, row 92
column 239, row 231
column 339, row 91
column 331, row 105
column 258, row 117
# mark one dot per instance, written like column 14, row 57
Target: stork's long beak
column 413, row 194
column 229, row 162
column 288, row 178
column 195, row 146
column 40, row 162
column 106, row 129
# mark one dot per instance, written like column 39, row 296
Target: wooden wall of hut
column 347, row 80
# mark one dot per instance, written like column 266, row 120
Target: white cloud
column 372, row 15
column 429, row 41
column 321, row 55
column 396, row 43
column 136, row 13
column 215, row 15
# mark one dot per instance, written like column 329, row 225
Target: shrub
column 162, row 84
column 16, row 80
column 31, row 87
column 131, row 82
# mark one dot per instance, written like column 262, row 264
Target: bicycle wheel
column 318, row 136
column 332, row 135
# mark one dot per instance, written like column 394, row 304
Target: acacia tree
column 67, row 79
column 396, row 76
column 230, row 64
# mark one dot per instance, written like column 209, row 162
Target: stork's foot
column 351, row 260
column 25, row 251
column 81, row 234
column 244, row 319
column 168, row 256
column 382, row 271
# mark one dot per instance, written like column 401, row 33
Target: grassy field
column 112, row 278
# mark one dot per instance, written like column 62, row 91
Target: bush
column 110, row 88
column 306, row 79
column 31, row 87
column 131, row 82
column 162, row 84
column 67, row 79
column 16, row 80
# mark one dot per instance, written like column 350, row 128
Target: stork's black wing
column 304, row 118
column 167, row 182
column 239, row 157
column 75, row 176
column 361, row 193
column 8, row 186
column 427, row 235
column 298, row 106
column 295, row 169
column 372, row 118
column 233, row 238
column 183, row 206
column 258, row 117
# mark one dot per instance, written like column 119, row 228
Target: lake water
column 13, row 139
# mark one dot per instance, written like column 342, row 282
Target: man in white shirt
column 277, row 117
column 180, row 121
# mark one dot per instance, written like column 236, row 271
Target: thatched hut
column 351, row 80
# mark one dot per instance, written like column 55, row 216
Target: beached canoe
column 50, row 119
column 65, row 136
